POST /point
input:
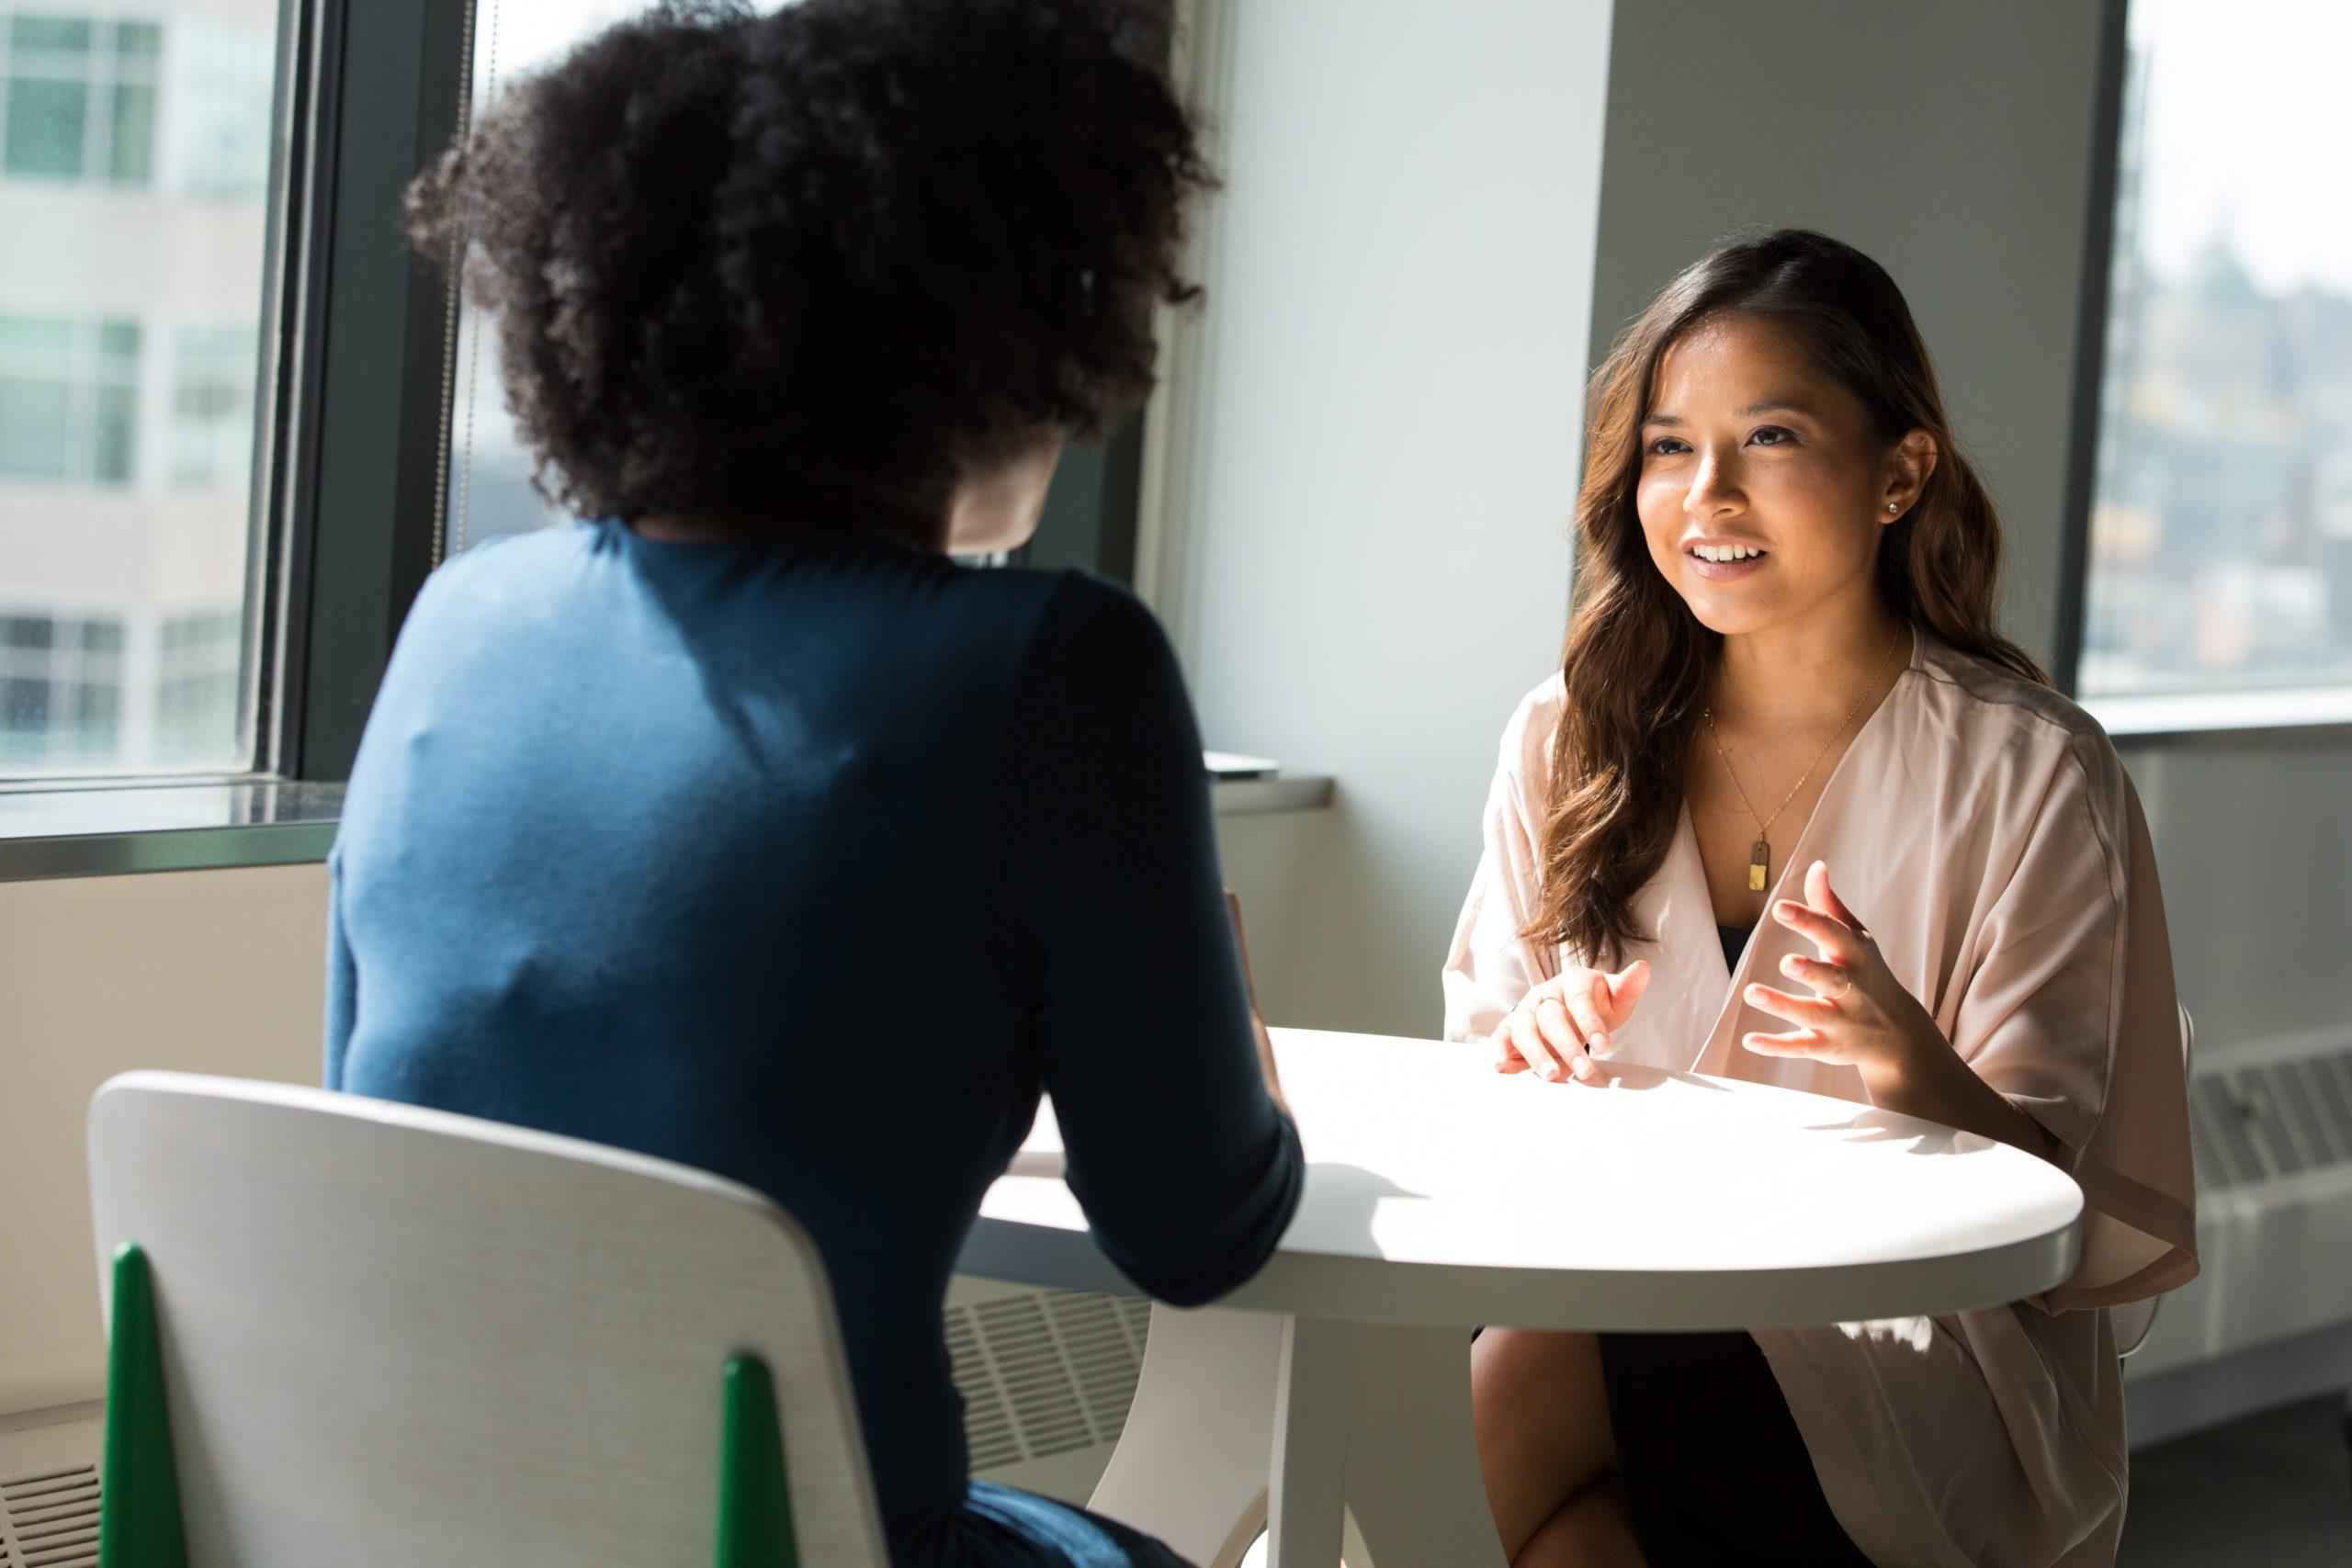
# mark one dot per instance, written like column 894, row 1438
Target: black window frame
column 347, row 527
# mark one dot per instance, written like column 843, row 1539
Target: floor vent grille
column 2253, row 1124
column 49, row 1518
column 1045, row 1372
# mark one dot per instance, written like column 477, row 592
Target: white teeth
column 1724, row 552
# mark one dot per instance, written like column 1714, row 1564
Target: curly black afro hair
column 814, row 264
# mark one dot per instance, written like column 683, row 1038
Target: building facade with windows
column 134, row 184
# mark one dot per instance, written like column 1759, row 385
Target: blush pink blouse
column 1984, row 828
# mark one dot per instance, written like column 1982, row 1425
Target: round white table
column 1331, row 1391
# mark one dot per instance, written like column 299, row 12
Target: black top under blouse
column 1735, row 941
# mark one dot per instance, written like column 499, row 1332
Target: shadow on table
column 1876, row 1126
column 1633, row 1075
column 1341, row 1200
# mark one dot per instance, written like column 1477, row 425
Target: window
column 78, row 98
column 2221, row 543
column 212, row 406
column 197, row 668
column 61, row 686
column 135, row 181
column 69, row 397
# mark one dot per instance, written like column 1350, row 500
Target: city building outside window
column 77, row 97
column 2221, row 543
column 213, row 405
column 136, row 207
column 69, row 399
column 61, row 686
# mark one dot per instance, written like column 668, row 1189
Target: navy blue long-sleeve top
column 812, row 861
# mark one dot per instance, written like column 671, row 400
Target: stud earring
column 1891, row 507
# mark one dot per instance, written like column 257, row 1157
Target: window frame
column 353, row 494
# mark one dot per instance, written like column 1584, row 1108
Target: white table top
column 1442, row 1193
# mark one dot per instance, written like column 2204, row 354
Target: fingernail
column 1600, row 1042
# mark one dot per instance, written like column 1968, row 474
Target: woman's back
column 810, row 862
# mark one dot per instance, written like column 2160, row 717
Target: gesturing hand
column 1560, row 1020
column 1860, row 1015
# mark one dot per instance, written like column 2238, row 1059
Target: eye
column 1772, row 435
column 1666, row 446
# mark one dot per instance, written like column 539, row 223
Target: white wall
column 1376, row 447
column 206, row 971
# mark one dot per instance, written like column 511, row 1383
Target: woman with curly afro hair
column 735, row 822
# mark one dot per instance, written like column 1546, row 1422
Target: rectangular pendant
column 1759, row 858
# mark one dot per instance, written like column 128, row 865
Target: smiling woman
column 1785, row 613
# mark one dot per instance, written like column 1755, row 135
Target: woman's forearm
column 1937, row 1086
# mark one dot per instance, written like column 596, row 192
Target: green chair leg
column 754, row 1508
column 139, row 1511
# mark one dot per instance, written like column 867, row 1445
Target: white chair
column 386, row 1335
column 2133, row 1320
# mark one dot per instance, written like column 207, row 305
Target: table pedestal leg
column 1310, row 1471
column 1191, row 1467
column 1376, row 1419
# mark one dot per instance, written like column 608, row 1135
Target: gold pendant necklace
column 1760, row 856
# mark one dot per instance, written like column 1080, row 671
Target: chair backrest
column 395, row 1336
column 2133, row 1319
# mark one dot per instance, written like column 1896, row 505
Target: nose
column 1715, row 490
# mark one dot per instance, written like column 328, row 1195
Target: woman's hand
column 1860, row 1015
column 1557, row 1023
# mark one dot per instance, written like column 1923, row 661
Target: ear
column 1908, row 467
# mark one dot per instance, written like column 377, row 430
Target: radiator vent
column 49, row 1518
column 2280, row 1118
column 1044, row 1372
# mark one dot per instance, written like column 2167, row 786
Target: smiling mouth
column 1725, row 555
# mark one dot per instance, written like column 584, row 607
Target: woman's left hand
column 1860, row 1015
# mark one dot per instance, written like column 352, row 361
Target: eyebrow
column 1765, row 405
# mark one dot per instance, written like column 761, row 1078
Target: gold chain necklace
column 1759, row 860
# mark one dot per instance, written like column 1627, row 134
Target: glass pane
column 32, row 429
column 24, row 705
column 113, row 443
column 129, row 377
column 132, row 155
column 59, row 33
column 47, row 127
column 29, row 341
column 2222, row 529
column 220, row 93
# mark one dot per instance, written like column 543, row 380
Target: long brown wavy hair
column 1638, row 663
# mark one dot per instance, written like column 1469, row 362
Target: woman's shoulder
column 1525, row 752
column 2007, row 720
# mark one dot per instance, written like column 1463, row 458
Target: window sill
column 113, row 830
column 109, row 829
column 2224, row 718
